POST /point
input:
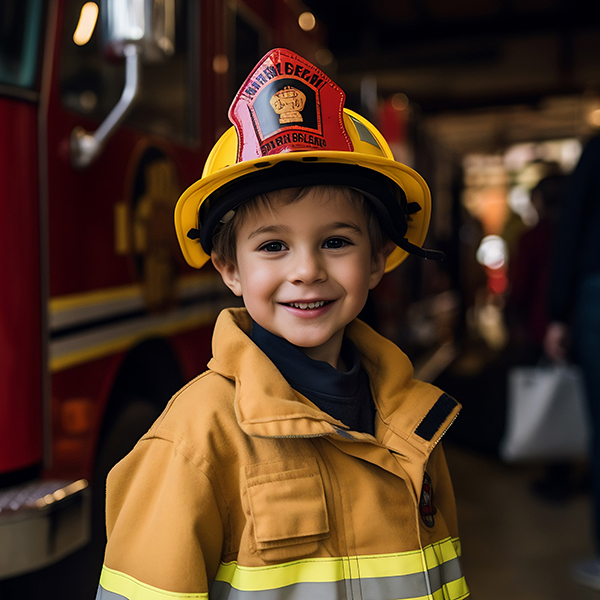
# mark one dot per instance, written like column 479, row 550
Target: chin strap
column 410, row 209
column 420, row 252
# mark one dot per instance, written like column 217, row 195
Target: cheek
column 261, row 275
column 258, row 280
column 359, row 278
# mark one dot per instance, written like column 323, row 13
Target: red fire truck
column 106, row 114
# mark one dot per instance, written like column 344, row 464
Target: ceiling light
column 87, row 23
column 307, row 21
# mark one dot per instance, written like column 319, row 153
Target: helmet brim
column 411, row 184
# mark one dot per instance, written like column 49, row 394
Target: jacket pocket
column 287, row 508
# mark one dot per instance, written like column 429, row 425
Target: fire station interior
column 484, row 99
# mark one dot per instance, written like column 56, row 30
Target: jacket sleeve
column 164, row 524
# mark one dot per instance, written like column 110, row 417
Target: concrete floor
column 516, row 547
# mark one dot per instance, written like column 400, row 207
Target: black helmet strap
column 386, row 197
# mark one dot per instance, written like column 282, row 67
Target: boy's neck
column 330, row 353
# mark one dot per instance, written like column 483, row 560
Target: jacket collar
column 409, row 411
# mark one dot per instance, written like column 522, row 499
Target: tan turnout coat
column 244, row 489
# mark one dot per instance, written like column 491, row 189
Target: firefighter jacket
column 244, row 490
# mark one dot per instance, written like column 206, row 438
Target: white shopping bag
column 546, row 414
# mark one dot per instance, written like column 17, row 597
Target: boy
column 304, row 463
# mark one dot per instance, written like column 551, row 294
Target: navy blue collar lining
column 345, row 395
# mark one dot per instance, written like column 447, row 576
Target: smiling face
column 304, row 269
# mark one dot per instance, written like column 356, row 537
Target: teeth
column 307, row 305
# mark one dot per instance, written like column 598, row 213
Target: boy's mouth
column 308, row 305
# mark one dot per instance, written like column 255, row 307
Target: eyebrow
column 269, row 229
column 348, row 225
column 286, row 229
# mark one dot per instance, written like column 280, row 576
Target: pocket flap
column 288, row 504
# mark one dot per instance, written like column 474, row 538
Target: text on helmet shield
column 288, row 105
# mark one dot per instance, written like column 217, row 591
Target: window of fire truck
column 20, row 26
column 91, row 84
column 249, row 40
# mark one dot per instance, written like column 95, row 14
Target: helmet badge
column 288, row 103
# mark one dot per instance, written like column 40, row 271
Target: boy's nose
column 307, row 267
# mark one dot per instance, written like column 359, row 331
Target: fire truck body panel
column 20, row 320
column 101, row 320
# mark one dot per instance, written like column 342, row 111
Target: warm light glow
column 307, row 21
column 77, row 416
column 87, row 23
column 400, row 101
column 594, row 118
column 324, row 56
column 220, row 64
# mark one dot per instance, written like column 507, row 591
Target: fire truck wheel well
column 150, row 373
column 146, row 380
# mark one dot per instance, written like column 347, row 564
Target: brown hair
column 224, row 239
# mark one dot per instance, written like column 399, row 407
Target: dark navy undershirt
column 345, row 395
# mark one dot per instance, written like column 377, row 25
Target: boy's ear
column 378, row 263
column 229, row 274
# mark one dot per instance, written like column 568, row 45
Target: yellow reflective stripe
column 455, row 589
column 185, row 284
column 87, row 346
column 318, row 570
column 132, row 589
column 440, row 552
column 325, row 570
column 390, row 565
column 457, row 546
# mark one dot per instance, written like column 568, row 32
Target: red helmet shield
column 288, row 105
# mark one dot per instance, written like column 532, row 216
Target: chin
column 305, row 344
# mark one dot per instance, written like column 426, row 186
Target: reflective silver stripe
column 399, row 588
column 103, row 594
column 299, row 591
column 402, row 587
column 449, row 571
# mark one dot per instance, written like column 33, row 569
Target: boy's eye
column 272, row 247
column 334, row 243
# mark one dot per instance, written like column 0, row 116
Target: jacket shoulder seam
column 200, row 464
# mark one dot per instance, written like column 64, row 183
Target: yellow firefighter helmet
column 290, row 128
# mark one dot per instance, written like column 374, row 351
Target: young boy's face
column 304, row 270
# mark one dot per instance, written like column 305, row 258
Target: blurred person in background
column 530, row 273
column 527, row 311
column 574, row 312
